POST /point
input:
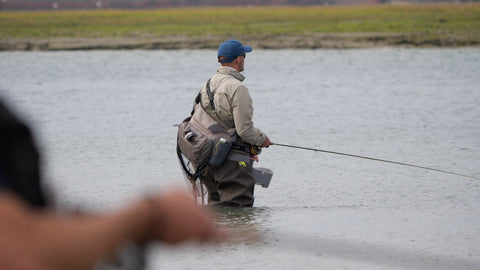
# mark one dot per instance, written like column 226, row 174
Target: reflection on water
column 252, row 227
column 246, row 224
column 242, row 216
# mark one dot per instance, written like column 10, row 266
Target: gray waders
column 231, row 184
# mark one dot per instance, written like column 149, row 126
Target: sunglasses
column 244, row 55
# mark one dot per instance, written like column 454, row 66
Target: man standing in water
column 233, row 183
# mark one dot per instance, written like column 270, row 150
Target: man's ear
column 236, row 61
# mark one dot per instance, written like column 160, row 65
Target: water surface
column 104, row 122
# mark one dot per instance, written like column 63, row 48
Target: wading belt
column 238, row 157
column 249, row 149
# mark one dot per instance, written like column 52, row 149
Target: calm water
column 104, row 122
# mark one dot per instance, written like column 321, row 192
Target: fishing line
column 375, row 159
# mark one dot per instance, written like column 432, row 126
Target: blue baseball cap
column 231, row 49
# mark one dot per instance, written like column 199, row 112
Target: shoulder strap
column 210, row 96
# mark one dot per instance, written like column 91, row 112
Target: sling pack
column 202, row 140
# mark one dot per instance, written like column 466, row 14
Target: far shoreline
column 294, row 41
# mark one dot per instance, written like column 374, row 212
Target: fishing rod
column 375, row 159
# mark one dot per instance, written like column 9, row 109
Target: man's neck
column 230, row 66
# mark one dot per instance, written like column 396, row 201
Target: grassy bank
column 416, row 25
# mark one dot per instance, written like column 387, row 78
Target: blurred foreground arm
column 31, row 239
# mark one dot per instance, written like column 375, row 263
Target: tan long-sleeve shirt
column 233, row 105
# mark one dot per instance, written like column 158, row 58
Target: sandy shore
column 311, row 41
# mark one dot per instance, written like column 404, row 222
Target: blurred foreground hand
column 177, row 218
column 45, row 240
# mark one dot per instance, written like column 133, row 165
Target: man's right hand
column 267, row 142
